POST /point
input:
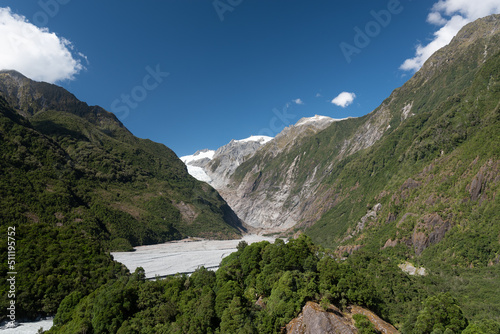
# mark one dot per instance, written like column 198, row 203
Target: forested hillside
column 75, row 184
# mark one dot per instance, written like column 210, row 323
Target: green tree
column 483, row 327
column 440, row 313
column 225, row 295
column 363, row 324
column 235, row 319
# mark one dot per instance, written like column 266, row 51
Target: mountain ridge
column 75, row 181
column 251, row 181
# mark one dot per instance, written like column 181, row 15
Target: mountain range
column 415, row 183
column 426, row 159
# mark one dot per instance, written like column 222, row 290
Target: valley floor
column 184, row 256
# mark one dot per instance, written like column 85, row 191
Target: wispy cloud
column 298, row 101
column 451, row 16
column 344, row 99
column 36, row 52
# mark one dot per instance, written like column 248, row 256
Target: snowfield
column 184, row 256
column 260, row 139
column 198, row 173
column 200, row 155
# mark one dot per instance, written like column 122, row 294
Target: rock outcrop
column 314, row 319
column 430, row 230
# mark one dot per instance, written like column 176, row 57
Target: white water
column 183, row 256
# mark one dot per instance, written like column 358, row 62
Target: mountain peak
column 259, row 139
column 473, row 45
column 13, row 73
column 198, row 155
column 318, row 119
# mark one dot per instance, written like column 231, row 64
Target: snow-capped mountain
column 200, row 157
column 214, row 167
column 259, row 139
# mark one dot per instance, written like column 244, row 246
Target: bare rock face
column 278, row 199
column 314, row 320
column 259, row 200
column 429, row 231
column 370, row 131
column 228, row 157
column 476, row 186
column 410, row 269
column 390, row 243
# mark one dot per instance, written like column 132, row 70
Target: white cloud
column 36, row 52
column 318, row 95
column 451, row 15
column 344, row 99
column 298, row 101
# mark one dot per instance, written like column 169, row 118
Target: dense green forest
column 263, row 286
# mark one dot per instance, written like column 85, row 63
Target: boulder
column 314, row 320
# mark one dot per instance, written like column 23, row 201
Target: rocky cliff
column 229, row 157
column 281, row 185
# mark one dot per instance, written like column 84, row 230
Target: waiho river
column 183, row 256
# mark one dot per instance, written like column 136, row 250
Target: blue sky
column 196, row 74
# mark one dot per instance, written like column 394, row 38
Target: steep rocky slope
column 276, row 187
column 219, row 169
column 325, row 179
column 229, row 157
